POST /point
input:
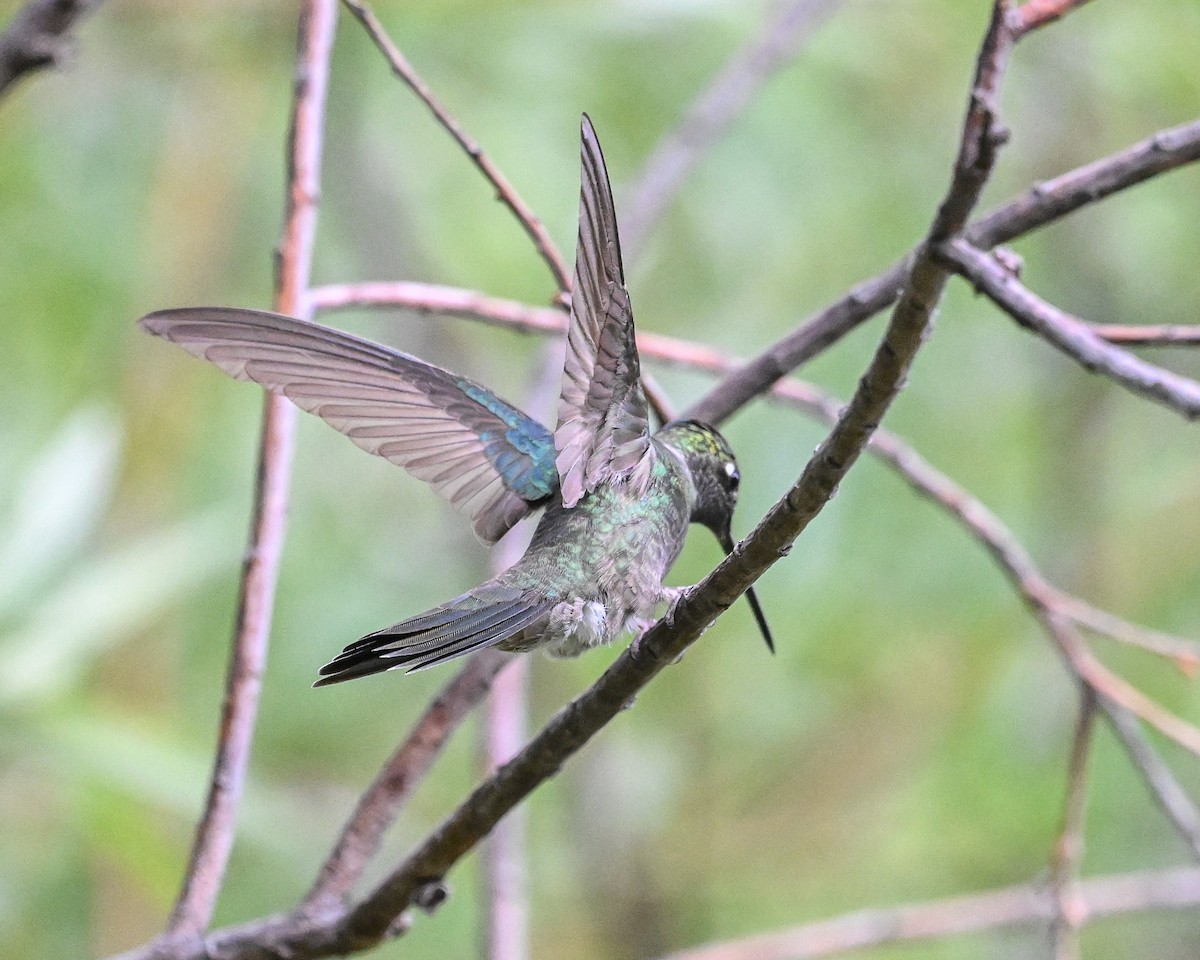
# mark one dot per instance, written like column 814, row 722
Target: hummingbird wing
column 485, row 616
column 603, row 429
column 485, row 456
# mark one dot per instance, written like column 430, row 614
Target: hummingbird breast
column 604, row 559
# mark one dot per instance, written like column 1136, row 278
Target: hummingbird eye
column 732, row 476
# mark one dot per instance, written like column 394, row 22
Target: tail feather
column 451, row 630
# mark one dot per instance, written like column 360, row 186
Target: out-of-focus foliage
column 910, row 739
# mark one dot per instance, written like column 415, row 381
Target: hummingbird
column 617, row 498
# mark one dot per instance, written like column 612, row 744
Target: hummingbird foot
column 640, row 626
column 671, row 597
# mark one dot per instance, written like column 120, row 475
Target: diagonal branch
column 505, row 192
column 1039, row 595
column 1166, row 791
column 1033, row 14
column 1041, row 205
column 215, row 831
column 1149, row 335
column 1070, row 335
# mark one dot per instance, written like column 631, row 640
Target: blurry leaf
column 150, row 768
column 60, row 502
column 108, row 600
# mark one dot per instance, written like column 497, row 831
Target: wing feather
column 438, row 426
column 603, row 428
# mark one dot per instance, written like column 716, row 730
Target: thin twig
column 1166, row 791
column 1072, row 336
column 1083, row 663
column 505, row 933
column 710, row 115
column 37, row 37
column 215, row 831
column 1033, row 14
column 1184, row 652
column 1040, row 205
column 1028, row 905
column 434, row 298
column 1150, row 335
column 1068, row 850
column 505, row 192
column 505, row 925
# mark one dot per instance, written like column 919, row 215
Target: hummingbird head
column 715, row 473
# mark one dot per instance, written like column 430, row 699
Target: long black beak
column 726, row 539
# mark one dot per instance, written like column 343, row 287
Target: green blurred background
column 910, row 739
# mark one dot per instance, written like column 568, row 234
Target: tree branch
column 1042, row 204
column 1030, row 904
column 1033, row 14
column 215, row 831
column 1166, row 791
column 505, row 192
column 1067, row 856
column 1150, row 335
column 1070, row 335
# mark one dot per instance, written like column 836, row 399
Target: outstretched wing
column 483, row 455
column 603, row 429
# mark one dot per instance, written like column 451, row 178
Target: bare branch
column 1083, row 663
column 506, row 912
column 37, row 37
column 1052, row 200
column 505, row 192
column 215, row 831
column 1072, row 336
column 1172, row 799
column 1068, row 851
column 1037, row 207
column 1028, row 905
column 1183, row 651
column 433, row 298
column 1033, row 588
column 710, row 115
column 1033, row 14
column 505, row 925
column 1150, row 335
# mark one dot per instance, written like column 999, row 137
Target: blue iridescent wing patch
column 482, row 454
